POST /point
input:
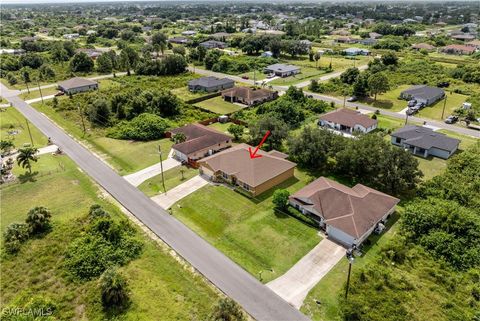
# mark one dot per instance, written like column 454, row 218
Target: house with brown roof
column 458, row 50
column 346, row 40
column 348, row 215
column 347, row 120
column 248, row 96
column 474, row 43
column 254, row 176
column 200, row 141
column 425, row 46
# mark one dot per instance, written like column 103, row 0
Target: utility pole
column 40, row 89
column 350, row 259
column 161, row 168
column 83, row 121
column 406, row 118
column 29, row 132
column 444, row 104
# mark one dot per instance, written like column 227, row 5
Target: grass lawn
column 306, row 73
column 14, row 126
column 173, row 177
column 221, row 127
column 331, row 287
column 388, row 100
column 219, row 106
column 465, row 141
column 434, row 111
column 125, row 156
column 36, row 93
column 248, row 230
column 158, row 284
column 184, row 94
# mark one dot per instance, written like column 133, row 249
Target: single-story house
column 254, row 175
column 464, row 37
column 189, row 33
column 71, row 36
column 92, row 53
column 474, row 43
column 368, row 41
column 423, row 94
column 15, row 52
column 425, row 46
column 347, row 120
column 458, row 50
column 348, row 215
column 356, row 52
column 375, row 35
column 282, row 70
column 179, row 40
column 200, row 141
column 266, row 54
column 248, row 96
column 210, row 84
column 77, row 85
column 212, row 44
column 346, row 40
column 423, row 141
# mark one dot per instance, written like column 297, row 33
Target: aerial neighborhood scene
column 237, row 161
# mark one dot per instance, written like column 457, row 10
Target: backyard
column 247, row 230
column 219, row 106
column 68, row 193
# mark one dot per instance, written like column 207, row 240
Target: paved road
column 295, row 284
column 177, row 193
column 257, row 299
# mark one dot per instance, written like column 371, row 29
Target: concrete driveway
column 141, row 176
column 166, row 200
column 295, row 284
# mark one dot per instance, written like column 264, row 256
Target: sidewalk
column 295, row 284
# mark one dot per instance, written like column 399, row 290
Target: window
column 398, row 140
column 245, row 186
column 224, row 175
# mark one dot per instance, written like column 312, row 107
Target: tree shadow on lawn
column 384, row 104
column 28, row 177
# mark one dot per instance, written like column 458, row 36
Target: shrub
column 227, row 310
column 143, row 127
column 14, row 236
column 280, row 199
column 114, row 289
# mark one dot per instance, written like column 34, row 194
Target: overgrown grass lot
column 158, row 285
column 247, row 230
column 14, row 127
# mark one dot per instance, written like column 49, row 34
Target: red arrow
column 254, row 154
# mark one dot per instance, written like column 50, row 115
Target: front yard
column 249, row 231
column 14, row 127
column 173, row 177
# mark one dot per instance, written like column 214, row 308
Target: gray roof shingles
column 426, row 138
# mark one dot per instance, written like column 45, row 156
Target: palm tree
column 38, row 219
column 114, row 289
column 26, row 156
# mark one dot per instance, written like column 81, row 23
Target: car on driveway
column 451, row 119
column 60, row 93
column 411, row 111
column 411, row 103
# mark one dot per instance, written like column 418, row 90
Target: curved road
column 257, row 299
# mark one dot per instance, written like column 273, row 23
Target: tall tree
column 377, row 84
column 26, row 156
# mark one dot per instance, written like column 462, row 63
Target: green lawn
column 219, row 106
column 248, row 230
column 331, row 287
column 159, row 285
column 14, row 126
column 184, row 94
column 306, row 73
column 388, row 100
column 36, row 93
column 172, row 177
column 221, row 127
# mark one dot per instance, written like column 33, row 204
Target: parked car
column 245, row 77
column 270, row 76
column 60, row 93
column 443, row 84
column 451, row 119
column 411, row 103
column 352, row 99
column 411, row 111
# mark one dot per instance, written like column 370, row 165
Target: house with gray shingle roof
column 423, row 141
column 210, row 84
column 282, row 70
column 423, row 94
column 77, row 85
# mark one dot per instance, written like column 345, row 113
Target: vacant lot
column 14, row 126
column 219, row 106
column 248, row 230
column 158, row 284
column 173, row 177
